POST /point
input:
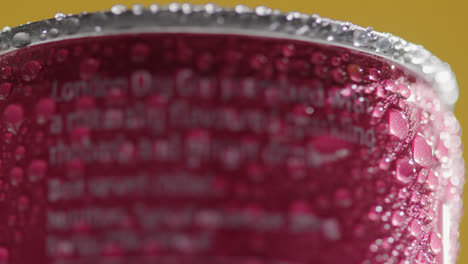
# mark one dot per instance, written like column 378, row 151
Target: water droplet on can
column 140, row 52
column 62, row 55
column 422, row 151
column 70, row 25
column 384, row 45
column 404, row 90
column 23, row 203
column 16, row 176
column 6, row 72
column 416, row 228
column 432, row 180
column 398, row 218
column 4, row 255
column 397, row 124
column 374, row 74
column 44, row 109
column 361, row 38
column 30, row 70
column 36, row 170
column 435, row 242
column 118, row 9
column 343, row 197
column 405, row 170
column 21, row 39
column 154, row 8
column 54, row 32
column 60, row 16
column 331, row 229
column 88, row 68
column 20, row 152
column 355, row 72
column 13, row 116
column 138, row 9
column 379, row 111
column 5, row 89
column 43, row 35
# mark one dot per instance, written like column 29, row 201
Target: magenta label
column 179, row 148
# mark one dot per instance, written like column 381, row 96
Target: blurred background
column 441, row 26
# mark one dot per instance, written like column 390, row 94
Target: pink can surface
column 201, row 148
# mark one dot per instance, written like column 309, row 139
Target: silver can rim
column 239, row 20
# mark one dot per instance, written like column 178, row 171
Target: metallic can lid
column 240, row 20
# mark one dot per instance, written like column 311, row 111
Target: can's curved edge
column 260, row 21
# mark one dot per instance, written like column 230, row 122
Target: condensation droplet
column 60, row 16
column 362, row 38
column 16, row 176
column 30, row 70
column 13, row 116
column 379, row 111
column 138, row 9
column 435, row 242
column 154, row 8
column 335, row 61
column 318, row 57
column 20, row 152
column 355, row 72
column 88, row 68
column 43, row 35
column 37, row 170
column 432, row 180
column 343, row 197
column 374, row 213
column 404, row 90
column 118, row 9
column 61, row 55
column 71, row 25
column 422, row 151
column 53, row 32
column 339, row 75
column 5, row 89
column 385, row 163
column 6, row 72
column 374, row 75
column 391, row 86
column 405, row 170
column 23, row 203
column 21, row 39
column 415, row 197
column 397, row 124
column 384, row 45
column 381, row 91
column 45, row 108
column 416, row 228
column 422, row 176
column 4, row 255
column 331, row 229
column 398, row 218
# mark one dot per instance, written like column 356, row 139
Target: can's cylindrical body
column 223, row 149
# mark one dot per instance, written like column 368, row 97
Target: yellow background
column 440, row 25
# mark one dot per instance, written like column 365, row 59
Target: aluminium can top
column 260, row 21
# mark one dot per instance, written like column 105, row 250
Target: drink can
column 199, row 134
